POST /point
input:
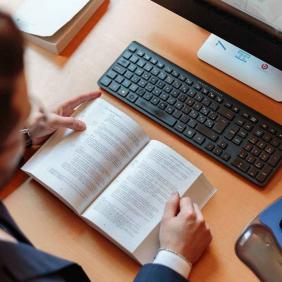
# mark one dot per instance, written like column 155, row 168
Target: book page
column 45, row 18
column 132, row 206
column 77, row 166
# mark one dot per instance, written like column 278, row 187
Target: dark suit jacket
column 23, row 262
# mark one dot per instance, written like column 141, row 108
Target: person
column 184, row 235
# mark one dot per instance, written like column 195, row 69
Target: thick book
column 115, row 178
column 55, row 28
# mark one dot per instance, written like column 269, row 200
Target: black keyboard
column 229, row 131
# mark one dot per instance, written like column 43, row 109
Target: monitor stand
column 242, row 66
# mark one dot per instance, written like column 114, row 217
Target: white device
column 242, row 66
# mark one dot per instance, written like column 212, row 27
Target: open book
column 115, row 178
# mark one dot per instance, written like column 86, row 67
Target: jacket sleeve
column 158, row 273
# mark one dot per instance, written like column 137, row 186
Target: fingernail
column 175, row 194
column 81, row 125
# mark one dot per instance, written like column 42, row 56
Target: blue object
column 272, row 218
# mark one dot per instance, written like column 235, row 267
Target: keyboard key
column 176, row 84
column 154, row 61
column 240, row 122
column 132, row 48
column 189, row 133
column 126, row 83
column 226, row 113
column 186, row 110
column 269, row 149
column 259, row 132
column 209, row 123
column 140, row 91
column 217, row 151
column 263, row 174
column 164, row 96
column 168, row 69
column 259, row 164
column 139, row 71
column 160, row 65
column 111, row 74
column 214, row 106
column 131, row 97
column 242, row 165
column 248, row 126
column 243, row 133
column 275, row 142
column 175, row 73
column 177, row 114
column 197, row 86
column 119, row 69
column 207, row 132
column 237, row 140
column 148, row 67
column 141, row 63
column 106, row 81
column 179, row 105
column 209, row 146
column 148, row 96
column 182, row 97
column 264, row 156
column 169, row 79
column 147, row 57
column 250, row 159
column 169, row 109
column 171, row 100
column 155, row 100
column 243, row 154
column 275, row 158
column 222, row 144
column 248, row 147
column 199, row 139
column 220, row 125
column 201, row 118
column 123, row 62
column 255, row 151
column 132, row 67
column 180, row 126
column 175, row 93
column 123, row 92
column 192, row 123
column 253, row 171
column 184, row 118
column 114, row 86
column 189, row 81
column 146, row 75
column 155, row 71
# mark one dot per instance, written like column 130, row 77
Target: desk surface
column 52, row 226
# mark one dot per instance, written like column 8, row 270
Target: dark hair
column 11, row 65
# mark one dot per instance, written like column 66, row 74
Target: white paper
column 45, row 18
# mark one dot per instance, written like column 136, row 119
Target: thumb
column 69, row 122
column 172, row 206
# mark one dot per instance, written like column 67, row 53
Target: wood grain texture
column 56, row 229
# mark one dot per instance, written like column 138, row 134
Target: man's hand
column 183, row 229
column 59, row 117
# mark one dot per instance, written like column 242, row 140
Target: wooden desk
column 53, row 227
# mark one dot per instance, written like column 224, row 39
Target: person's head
column 14, row 105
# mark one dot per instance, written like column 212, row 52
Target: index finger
column 186, row 207
column 68, row 107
